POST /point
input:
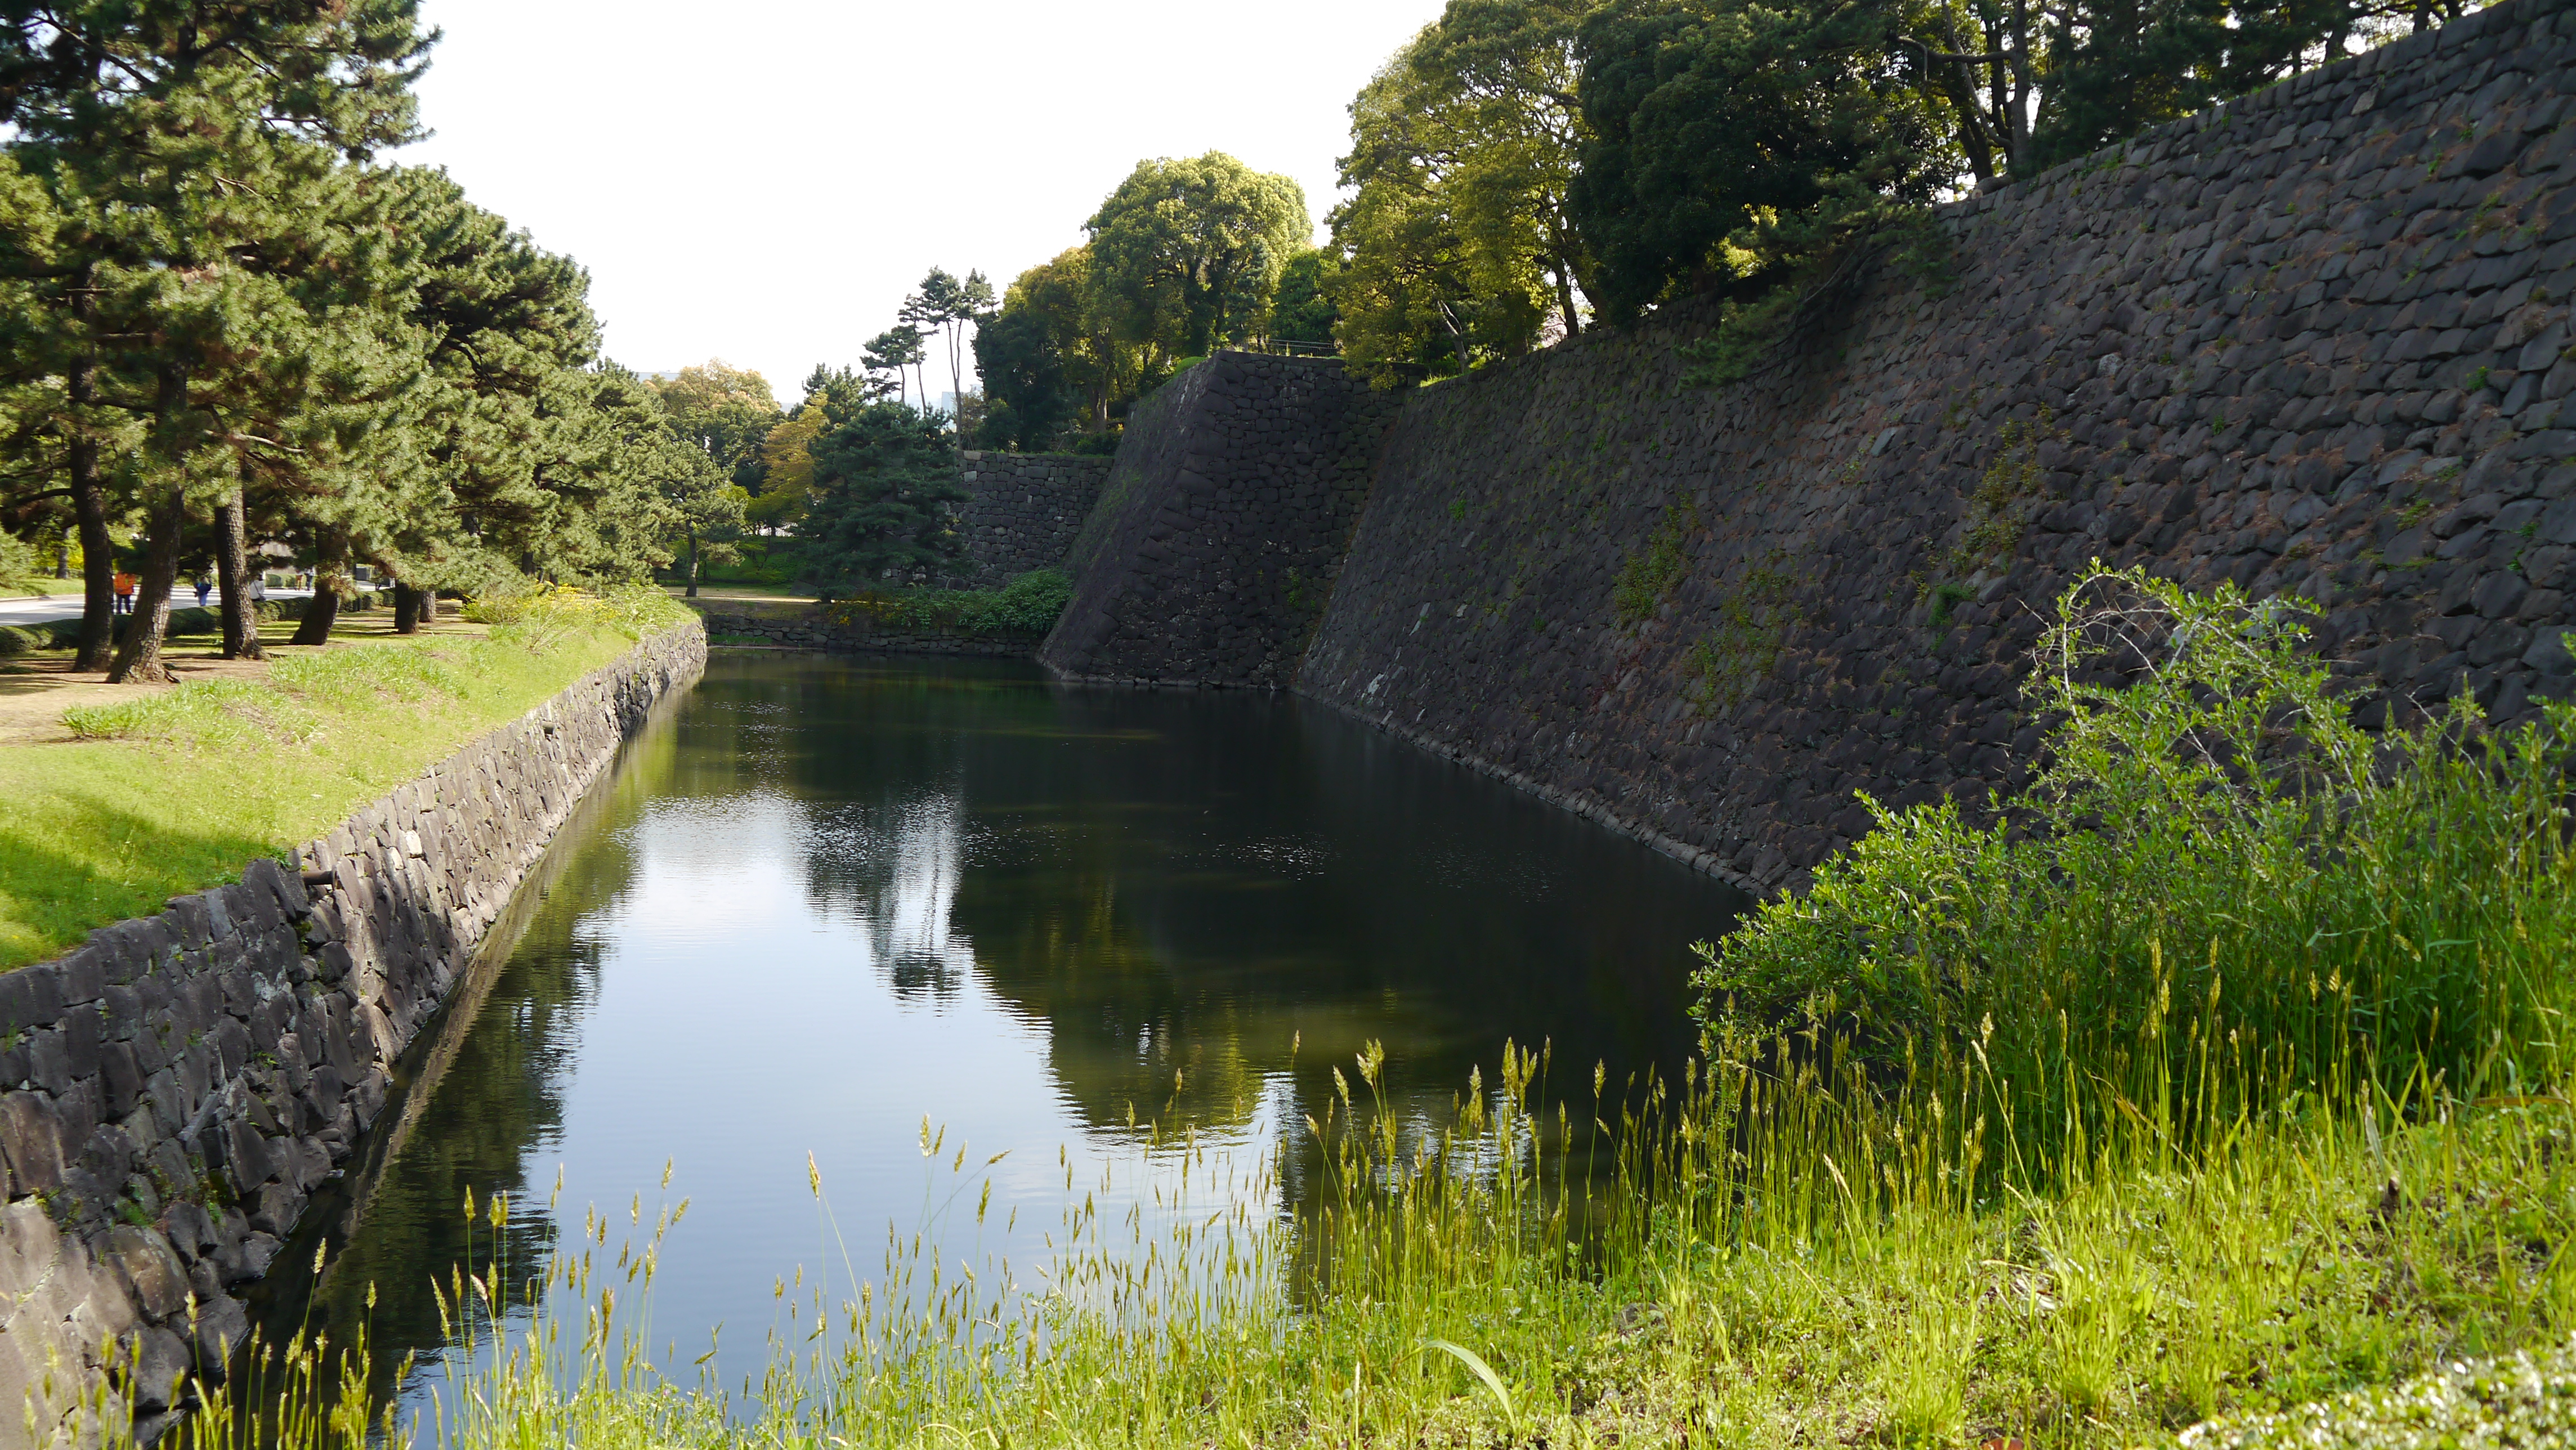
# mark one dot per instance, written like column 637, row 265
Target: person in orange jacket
column 125, row 593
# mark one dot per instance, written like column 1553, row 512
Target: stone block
column 153, row 1275
column 32, row 1138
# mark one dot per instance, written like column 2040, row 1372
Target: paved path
column 67, row 604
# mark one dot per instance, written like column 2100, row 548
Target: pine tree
column 880, row 481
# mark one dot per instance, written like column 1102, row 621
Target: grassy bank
column 2219, row 1076
column 171, row 790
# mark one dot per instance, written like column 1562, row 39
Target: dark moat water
column 828, row 901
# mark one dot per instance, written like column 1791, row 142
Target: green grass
column 2235, row 1089
column 175, row 790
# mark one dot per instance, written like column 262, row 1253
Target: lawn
column 113, row 800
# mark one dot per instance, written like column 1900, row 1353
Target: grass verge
column 173, row 790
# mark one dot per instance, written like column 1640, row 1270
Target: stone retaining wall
column 172, row 1091
column 1222, row 525
column 1022, row 512
column 2315, row 341
column 809, row 629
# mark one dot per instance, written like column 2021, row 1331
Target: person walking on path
column 203, row 589
column 125, row 592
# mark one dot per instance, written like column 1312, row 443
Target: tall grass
column 2216, row 883
column 2217, row 1076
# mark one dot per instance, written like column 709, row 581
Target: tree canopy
column 1188, row 253
column 224, row 318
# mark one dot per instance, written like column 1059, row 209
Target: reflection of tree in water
column 1245, row 890
column 876, row 760
column 893, row 868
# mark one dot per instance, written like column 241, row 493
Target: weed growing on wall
column 1744, row 643
column 1995, row 515
column 1650, row 573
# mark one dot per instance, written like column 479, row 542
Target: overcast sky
column 763, row 180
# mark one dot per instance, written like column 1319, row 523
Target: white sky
column 764, row 180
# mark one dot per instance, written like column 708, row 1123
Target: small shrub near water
column 1027, row 606
column 2207, row 826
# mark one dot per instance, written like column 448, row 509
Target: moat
column 827, row 901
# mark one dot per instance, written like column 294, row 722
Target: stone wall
column 2314, row 341
column 1222, row 525
column 810, row 629
column 1022, row 512
column 172, row 1091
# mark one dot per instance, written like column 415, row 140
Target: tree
column 1188, row 253
column 1478, row 120
column 188, row 155
column 947, row 307
column 787, row 467
column 890, row 352
column 1303, row 312
column 879, row 482
column 841, row 392
column 512, row 445
column 2107, row 69
column 1733, row 143
column 1413, row 292
column 1061, row 297
column 1028, row 400
column 727, row 411
column 1736, row 147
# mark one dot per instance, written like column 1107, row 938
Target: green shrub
column 2212, row 856
column 1027, row 606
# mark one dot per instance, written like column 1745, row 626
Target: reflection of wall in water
column 485, row 1100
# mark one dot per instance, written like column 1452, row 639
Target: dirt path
column 36, row 689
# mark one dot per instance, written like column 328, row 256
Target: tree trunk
column 693, row 564
column 232, row 575
column 429, row 604
column 323, row 609
column 89, row 506
column 406, row 608
column 98, row 561
column 138, row 655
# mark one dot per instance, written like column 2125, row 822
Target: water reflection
column 833, row 900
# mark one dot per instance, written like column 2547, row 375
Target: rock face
column 2315, row 342
column 1222, row 525
column 172, row 1092
column 1021, row 512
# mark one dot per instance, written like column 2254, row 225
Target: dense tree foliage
column 1183, row 257
column 1525, row 167
column 881, row 478
column 224, row 320
column 1739, row 146
column 1457, row 240
column 1187, row 254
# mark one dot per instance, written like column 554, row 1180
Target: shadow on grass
column 52, row 898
